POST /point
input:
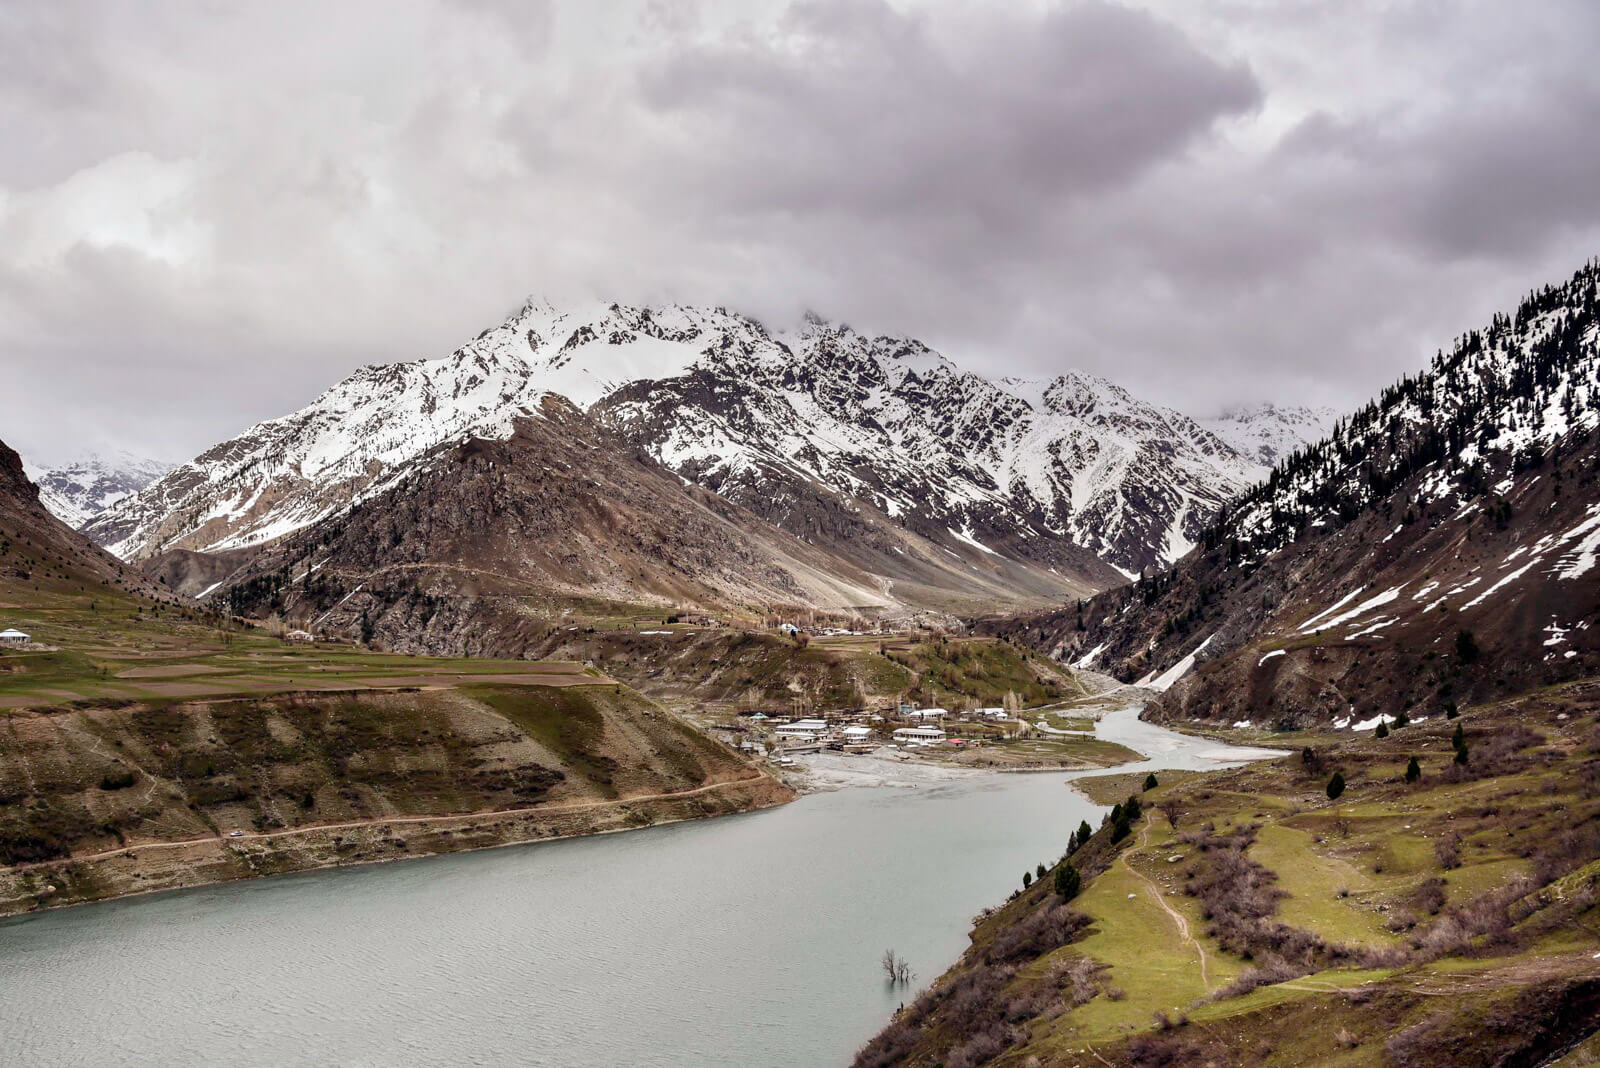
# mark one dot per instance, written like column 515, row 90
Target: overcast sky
column 210, row 212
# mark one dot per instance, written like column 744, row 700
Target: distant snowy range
column 767, row 418
column 80, row 489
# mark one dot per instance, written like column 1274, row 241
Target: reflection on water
column 745, row 940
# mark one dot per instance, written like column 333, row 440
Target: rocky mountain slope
column 811, row 430
column 39, row 554
column 75, row 492
column 480, row 544
column 1439, row 546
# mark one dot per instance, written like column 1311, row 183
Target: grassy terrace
column 114, row 648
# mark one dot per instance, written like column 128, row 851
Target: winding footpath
column 1178, row 919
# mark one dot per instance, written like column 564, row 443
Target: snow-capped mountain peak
column 763, row 417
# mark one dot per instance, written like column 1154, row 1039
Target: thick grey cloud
column 209, row 213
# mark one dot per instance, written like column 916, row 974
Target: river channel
column 747, row 940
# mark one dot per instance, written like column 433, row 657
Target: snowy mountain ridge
column 759, row 416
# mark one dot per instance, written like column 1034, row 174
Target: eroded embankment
column 110, row 801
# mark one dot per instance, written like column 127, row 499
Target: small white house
column 930, row 713
column 13, row 637
column 856, row 734
column 992, row 713
column 788, row 628
column 919, row 735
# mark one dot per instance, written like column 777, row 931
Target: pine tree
column 1335, row 786
column 1068, row 882
column 1382, row 731
column 1151, row 782
column 1459, row 739
column 1461, row 754
column 1084, row 833
column 1413, row 770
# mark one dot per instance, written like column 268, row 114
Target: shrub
column 1447, row 851
column 1068, row 882
column 1151, row 782
column 1466, row 647
column 1429, row 896
column 116, row 780
column 1335, row 786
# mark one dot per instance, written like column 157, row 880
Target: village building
column 929, row 713
column 856, row 734
column 802, row 730
column 13, row 637
column 918, row 735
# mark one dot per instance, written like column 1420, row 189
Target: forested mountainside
column 1439, row 545
column 482, row 543
column 811, row 430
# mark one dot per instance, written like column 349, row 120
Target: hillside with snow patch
column 1438, row 546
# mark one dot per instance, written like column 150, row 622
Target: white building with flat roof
column 802, row 730
column 919, row 735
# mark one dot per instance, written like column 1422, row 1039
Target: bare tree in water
column 896, row 968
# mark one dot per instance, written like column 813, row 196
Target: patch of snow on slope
column 1312, row 624
column 1375, row 601
column 1581, row 558
column 966, row 536
column 1486, row 594
column 1164, row 681
column 1088, row 658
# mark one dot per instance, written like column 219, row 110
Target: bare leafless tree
column 896, row 968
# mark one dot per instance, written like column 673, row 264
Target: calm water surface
column 745, row 940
